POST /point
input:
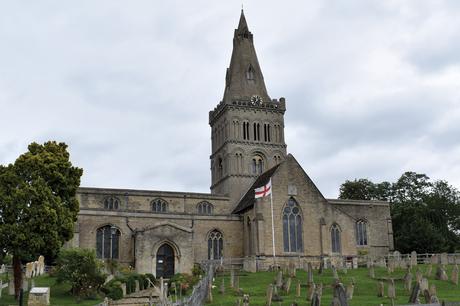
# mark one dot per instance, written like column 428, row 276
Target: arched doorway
column 165, row 261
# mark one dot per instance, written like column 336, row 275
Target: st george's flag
column 264, row 190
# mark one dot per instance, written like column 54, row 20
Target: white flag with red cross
column 264, row 190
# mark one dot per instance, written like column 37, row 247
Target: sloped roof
column 247, row 201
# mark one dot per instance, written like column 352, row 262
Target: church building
column 165, row 232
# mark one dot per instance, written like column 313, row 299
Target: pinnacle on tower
column 244, row 78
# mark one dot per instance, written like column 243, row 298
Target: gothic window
column 277, row 159
column 361, row 233
column 205, row 208
column 256, row 131
column 238, row 162
column 107, row 242
column 335, row 239
column 250, row 73
column 215, row 245
column 246, row 130
column 292, row 227
column 257, row 165
column 159, row 205
column 111, row 203
column 267, row 132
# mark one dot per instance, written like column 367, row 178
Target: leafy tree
column 38, row 207
column 425, row 214
column 82, row 270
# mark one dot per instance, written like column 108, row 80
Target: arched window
column 267, row 136
column 215, row 245
column 335, row 239
column 159, row 205
column 257, row 165
column 256, row 131
column 205, row 208
column 292, row 227
column 107, row 242
column 111, row 203
column 250, row 73
column 361, row 232
column 277, row 159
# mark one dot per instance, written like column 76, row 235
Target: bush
column 197, row 270
column 113, row 289
column 80, row 269
column 184, row 280
column 151, row 277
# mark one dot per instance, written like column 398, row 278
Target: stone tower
column 247, row 126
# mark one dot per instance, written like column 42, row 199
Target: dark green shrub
column 81, row 269
column 197, row 270
column 151, row 277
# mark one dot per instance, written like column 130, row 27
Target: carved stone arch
column 335, row 224
column 171, row 243
column 287, row 202
column 292, row 221
column 215, row 243
column 111, row 200
column 336, row 238
column 166, row 265
column 258, row 162
column 94, row 228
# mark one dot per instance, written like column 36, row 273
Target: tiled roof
column 247, row 201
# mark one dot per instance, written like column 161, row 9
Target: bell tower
column 247, row 126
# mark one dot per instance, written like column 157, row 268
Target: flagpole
column 273, row 225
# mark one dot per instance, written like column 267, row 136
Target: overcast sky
column 372, row 87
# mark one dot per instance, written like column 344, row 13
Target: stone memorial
column 429, row 270
column 355, row 262
column 41, row 265
column 424, row 284
column 297, row 289
column 340, row 295
column 444, row 259
column 414, row 295
column 123, row 288
column 246, row 300
column 269, row 295
column 413, row 258
column 350, row 290
column 222, row 286
column 380, row 289
column 418, row 276
column 441, row 274
column 316, row 300
column 311, row 290
column 371, row 271
column 232, row 278
column 408, row 281
column 310, row 274
column 287, row 285
column 391, row 289
column 434, row 259
column 433, row 289
column 334, row 273
column 454, row 276
column 39, row 296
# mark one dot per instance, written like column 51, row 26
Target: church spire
column 244, row 79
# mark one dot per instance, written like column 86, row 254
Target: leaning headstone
column 287, row 286
column 414, row 295
column 311, row 290
column 380, row 289
column 413, row 258
column 340, row 295
column 297, row 289
column 426, row 295
column 39, row 296
column 319, row 289
column 444, row 259
column 316, row 300
column 454, row 276
column 391, row 289
column 310, row 274
column 269, row 295
column 441, row 274
column 408, row 281
column 350, row 290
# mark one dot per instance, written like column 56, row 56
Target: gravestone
column 237, row 282
column 29, row 267
column 309, row 274
column 444, row 259
column 316, row 300
column 433, row 289
column 123, row 288
column 391, row 289
column 246, row 300
column 210, row 292
column 413, row 258
column 424, row 284
column 269, row 295
column 222, row 286
column 334, row 273
column 39, row 296
column 340, row 295
column 292, row 269
column 429, row 270
column 287, row 286
column 434, row 259
column 355, row 262
column 136, row 282
column 232, row 278
column 454, row 276
column 11, row 285
column 418, row 276
column 380, row 289
column 319, row 289
column 441, row 274
column 434, row 299
column 426, row 295
column 350, row 290
column 279, row 279
column 408, row 281
column 276, row 297
column 41, row 265
column 297, row 291
column 391, row 265
column 414, row 296
column 311, row 290
column 371, row 272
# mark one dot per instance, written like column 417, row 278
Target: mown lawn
column 59, row 294
column 365, row 292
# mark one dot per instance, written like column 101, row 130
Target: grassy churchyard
column 365, row 288
column 60, row 295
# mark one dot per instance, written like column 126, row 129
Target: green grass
column 59, row 294
column 365, row 292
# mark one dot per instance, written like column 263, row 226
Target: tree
column 38, row 205
column 425, row 214
column 82, row 270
